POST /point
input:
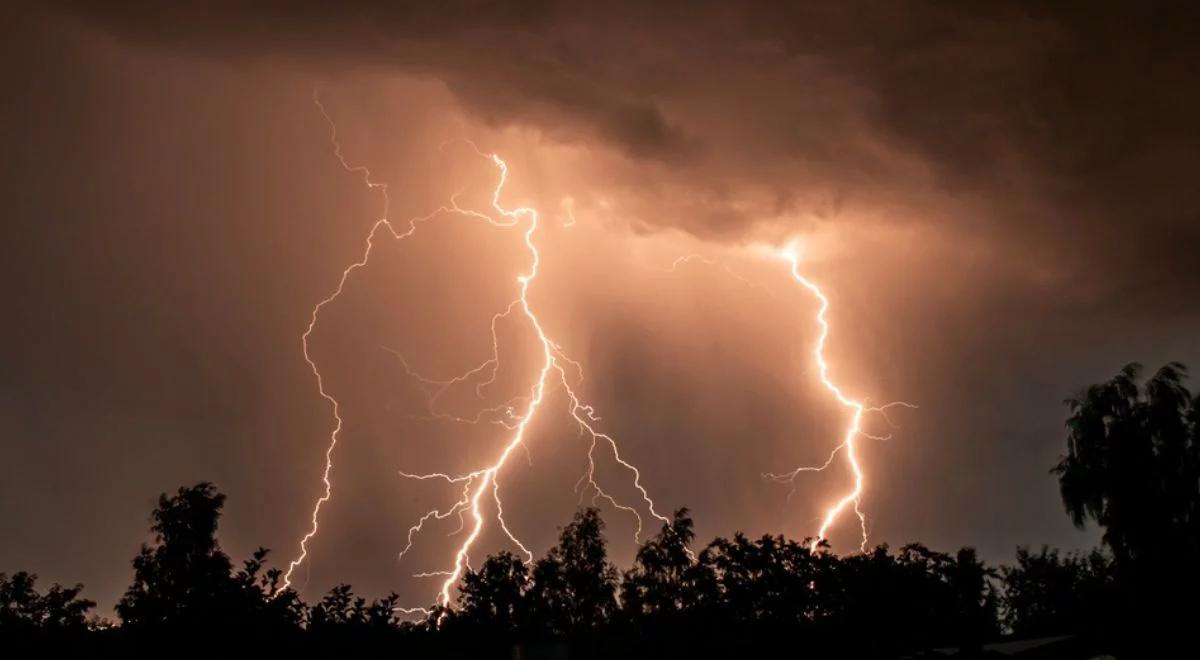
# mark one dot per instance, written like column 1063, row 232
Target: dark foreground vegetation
column 1132, row 466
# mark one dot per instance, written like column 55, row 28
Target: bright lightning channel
column 858, row 408
column 516, row 415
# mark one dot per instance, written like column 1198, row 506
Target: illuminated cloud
column 1047, row 131
column 998, row 202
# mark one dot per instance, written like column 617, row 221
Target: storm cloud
column 999, row 199
column 1064, row 132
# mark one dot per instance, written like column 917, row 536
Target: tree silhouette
column 492, row 599
column 914, row 599
column 734, row 596
column 261, row 600
column 1049, row 594
column 23, row 608
column 341, row 608
column 1133, row 466
column 185, row 580
column 665, row 579
column 976, row 604
column 574, row 585
column 768, row 580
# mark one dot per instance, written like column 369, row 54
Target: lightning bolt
column 858, row 409
column 853, row 497
column 515, row 415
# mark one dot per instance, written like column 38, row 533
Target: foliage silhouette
column 22, row 607
column 665, row 580
column 735, row 595
column 492, row 600
column 185, row 581
column 341, row 608
column 574, row 586
column 1048, row 594
column 1132, row 466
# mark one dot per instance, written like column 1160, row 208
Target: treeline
column 1132, row 466
column 739, row 593
column 733, row 594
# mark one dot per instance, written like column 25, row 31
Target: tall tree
column 574, row 585
column 184, row 579
column 1133, row 466
column 492, row 598
column 772, row 579
column 976, row 602
column 1046, row 593
column 23, row 607
column 665, row 577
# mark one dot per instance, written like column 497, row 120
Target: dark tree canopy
column 674, row 600
column 340, row 607
column 665, row 577
column 184, row 579
column 21, row 606
column 1046, row 593
column 494, row 596
column 1133, row 466
column 574, row 585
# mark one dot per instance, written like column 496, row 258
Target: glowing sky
column 1000, row 205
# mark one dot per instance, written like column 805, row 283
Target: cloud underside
column 1064, row 136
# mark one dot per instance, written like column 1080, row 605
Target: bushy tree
column 22, row 607
column 975, row 600
column 574, row 585
column 771, row 580
column 184, row 580
column 492, row 599
column 1133, row 466
column 1047, row 593
column 911, row 600
column 340, row 608
column 665, row 578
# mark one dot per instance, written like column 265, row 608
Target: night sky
column 999, row 201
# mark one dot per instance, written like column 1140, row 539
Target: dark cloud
column 509, row 62
column 1004, row 191
column 1071, row 126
